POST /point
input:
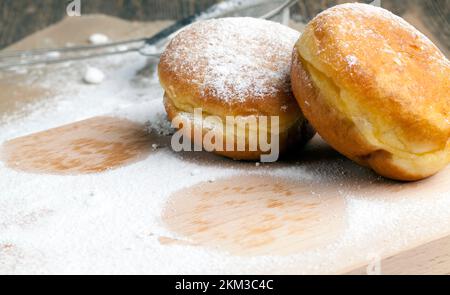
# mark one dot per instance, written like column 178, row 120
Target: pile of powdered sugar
column 109, row 223
column 234, row 58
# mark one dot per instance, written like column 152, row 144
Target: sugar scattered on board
column 53, row 54
column 195, row 172
column 45, row 219
column 93, row 76
column 97, row 39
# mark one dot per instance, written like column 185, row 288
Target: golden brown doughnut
column 375, row 89
column 234, row 67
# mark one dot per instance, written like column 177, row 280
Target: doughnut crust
column 236, row 67
column 375, row 89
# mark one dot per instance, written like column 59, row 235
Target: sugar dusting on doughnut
column 234, row 58
column 362, row 11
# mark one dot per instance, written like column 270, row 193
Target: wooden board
column 429, row 259
column 251, row 214
column 247, row 215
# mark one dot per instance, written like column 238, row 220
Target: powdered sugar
column 109, row 223
column 93, row 76
column 97, row 39
column 234, row 58
column 351, row 60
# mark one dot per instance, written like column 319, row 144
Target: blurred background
column 19, row 18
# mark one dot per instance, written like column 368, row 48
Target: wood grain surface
column 430, row 259
column 256, row 215
column 91, row 146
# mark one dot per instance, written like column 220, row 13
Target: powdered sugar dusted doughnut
column 376, row 89
column 233, row 67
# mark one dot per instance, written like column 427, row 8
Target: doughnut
column 238, row 67
column 376, row 89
